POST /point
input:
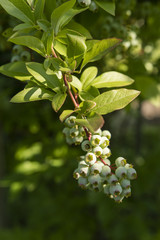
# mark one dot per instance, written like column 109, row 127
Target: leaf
column 23, row 26
column 76, row 46
column 100, row 49
column 16, row 70
column 31, row 42
column 38, row 72
column 50, row 5
column 107, row 6
column 86, row 106
column 74, row 26
column 18, row 9
column 88, row 76
column 111, row 79
column 58, row 15
column 76, row 83
column 89, row 94
column 32, row 94
column 63, row 15
column 58, row 101
column 39, row 7
column 114, row 100
column 93, row 121
column 65, row 114
column 7, row 32
column 44, row 24
column 60, row 48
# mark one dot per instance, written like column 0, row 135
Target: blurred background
column 39, row 199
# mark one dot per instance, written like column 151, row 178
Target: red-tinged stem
column 88, row 134
column 53, row 52
column 113, row 168
column 70, row 93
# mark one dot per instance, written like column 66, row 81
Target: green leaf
column 39, row 7
column 89, row 94
column 31, row 42
column 38, row 72
column 32, row 94
column 16, row 70
column 50, row 5
column 65, row 114
column 58, row 101
column 63, row 15
column 99, row 49
column 74, row 26
column 86, row 106
column 76, row 46
column 107, row 6
column 93, row 121
column 88, row 76
column 59, row 15
column 76, row 83
column 44, row 24
column 114, row 100
column 111, row 79
column 7, row 32
column 23, row 26
column 18, row 9
column 60, row 48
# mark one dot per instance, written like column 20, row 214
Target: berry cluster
column 95, row 171
column 20, row 54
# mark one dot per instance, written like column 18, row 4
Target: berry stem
column 53, row 52
column 69, row 91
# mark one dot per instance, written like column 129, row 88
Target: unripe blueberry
column 97, row 151
column 82, row 163
column 94, row 179
column 121, row 172
column 131, row 173
column 93, row 7
column 25, row 56
column 127, row 166
column 99, row 132
column 76, row 174
column 119, row 198
column 66, row 131
column 112, row 179
column 82, row 182
column 95, row 140
column 106, row 133
column 96, row 168
column 115, row 190
column 17, row 49
column 120, row 162
column 70, row 121
column 15, row 58
column 81, row 131
column 97, row 188
column 86, row 146
column 126, row 192
column 125, row 183
column 78, row 140
column 69, row 140
column 106, row 189
column 84, row 171
column 90, row 158
column 104, row 142
column 73, row 132
column 106, row 152
column 106, row 171
column 84, row 3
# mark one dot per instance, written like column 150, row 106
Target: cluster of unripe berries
column 88, row 3
column 95, row 171
column 20, row 54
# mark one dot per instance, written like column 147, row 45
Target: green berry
column 112, row 179
column 106, row 171
column 95, row 140
column 93, row 7
column 77, row 140
column 25, row 56
column 94, row 179
column 96, row 168
column 104, row 142
column 97, row 151
column 84, row 3
column 106, row 189
column 127, row 192
column 15, row 58
column 82, row 182
column 73, row 132
column 81, row 131
column 125, row 183
column 69, row 140
column 120, row 162
column 66, row 131
column 70, row 121
column 121, row 172
column 84, row 171
column 76, row 174
column 106, row 152
column 115, row 190
column 17, row 49
column 90, row 158
column 119, row 198
column 107, row 134
column 86, row 146
column 131, row 173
